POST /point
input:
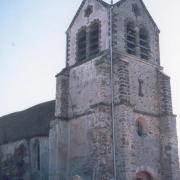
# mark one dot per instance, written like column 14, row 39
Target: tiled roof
column 26, row 124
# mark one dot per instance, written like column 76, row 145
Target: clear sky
column 32, row 48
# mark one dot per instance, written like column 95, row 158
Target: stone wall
column 77, row 135
column 169, row 148
column 100, row 13
column 19, row 160
column 165, row 100
column 122, row 14
column 85, row 85
column 82, row 141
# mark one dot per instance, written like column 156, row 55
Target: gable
column 81, row 7
column 141, row 6
column 89, row 12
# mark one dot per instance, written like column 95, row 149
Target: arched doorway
column 143, row 176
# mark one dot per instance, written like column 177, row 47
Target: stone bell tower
column 114, row 118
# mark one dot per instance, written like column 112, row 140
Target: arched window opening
column 144, row 44
column 81, row 45
column 141, row 127
column 37, row 154
column 143, row 176
column 131, row 39
column 94, row 39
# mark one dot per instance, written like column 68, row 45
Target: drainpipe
column 112, row 91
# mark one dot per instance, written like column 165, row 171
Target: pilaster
column 168, row 131
column 125, row 142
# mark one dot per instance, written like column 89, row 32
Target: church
column 112, row 117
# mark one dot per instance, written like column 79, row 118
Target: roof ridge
column 29, row 123
column 31, row 107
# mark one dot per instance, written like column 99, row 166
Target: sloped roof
column 80, row 7
column 26, row 124
column 108, row 5
column 119, row 3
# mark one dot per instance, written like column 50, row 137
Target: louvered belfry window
column 81, row 45
column 131, row 39
column 94, row 39
column 144, row 44
column 88, row 41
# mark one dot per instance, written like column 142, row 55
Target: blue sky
column 32, row 48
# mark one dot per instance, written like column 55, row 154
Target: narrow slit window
column 94, row 40
column 81, row 45
column 37, row 155
column 144, row 44
column 139, row 128
column 131, row 39
column 141, row 87
column 88, row 11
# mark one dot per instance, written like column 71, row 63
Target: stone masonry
column 123, row 108
column 113, row 115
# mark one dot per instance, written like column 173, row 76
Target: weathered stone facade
column 20, row 160
column 114, row 118
column 113, row 111
column 24, row 143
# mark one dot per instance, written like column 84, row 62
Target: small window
column 131, row 39
column 141, row 127
column 136, row 10
column 88, row 42
column 88, row 11
column 37, row 154
column 141, row 87
column 94, row 39
column 81, row 45
column 144, row 44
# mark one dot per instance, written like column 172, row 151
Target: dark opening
column 143, row 176
column 131, row 39
column 141, row 87
column 136, row 10
column 81, row 45
column 38, row 157
column 144, row 44
column 88, row 11
column 37, row 154
column 94, row 40
column 139, row 128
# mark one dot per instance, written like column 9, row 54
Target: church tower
column 114, row 118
